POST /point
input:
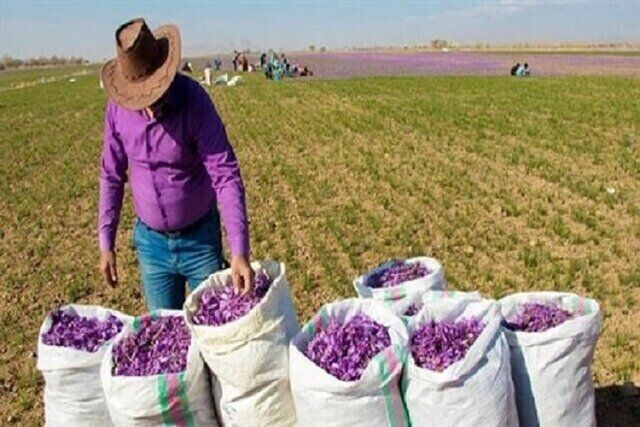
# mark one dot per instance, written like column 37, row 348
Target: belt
column 173, row 234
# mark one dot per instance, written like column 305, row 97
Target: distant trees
column 312, row 47
column 7, row 61
column 439, row 44
column 323, row 49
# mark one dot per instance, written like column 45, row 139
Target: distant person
column 218, row 64
column 164, row 139
column 245, row 63
column 514, row 69
column 263, row 60
column 187, row 68
column 526, row 71
column 207, row 74
column 521, row 70
column 236, row 60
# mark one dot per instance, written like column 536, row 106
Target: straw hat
column 145, row 65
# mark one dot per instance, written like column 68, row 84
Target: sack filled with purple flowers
column 394, row 280
column 552, row 336
column 411, row 305
column 153, row 375
column 72, row 342
column 244, row 340
column 346, row 365
column 458, row 371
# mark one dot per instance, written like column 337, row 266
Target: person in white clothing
column 207, row 74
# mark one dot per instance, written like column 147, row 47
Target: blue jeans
column 167, row 263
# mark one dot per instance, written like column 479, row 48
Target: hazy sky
column 86, row 27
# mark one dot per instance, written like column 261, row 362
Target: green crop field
column 514, row 184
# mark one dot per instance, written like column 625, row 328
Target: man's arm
column 222, row 165
column 113, row 175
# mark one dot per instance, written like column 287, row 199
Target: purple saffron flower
column 345, row 349
column 219, row 306
column 398, row 272
column 69, row 329
column 437, row 345
column 160, row 346
column 412, row 310
column 538, row 317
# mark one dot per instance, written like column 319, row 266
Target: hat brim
column 138, row 95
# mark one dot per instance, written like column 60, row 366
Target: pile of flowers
column 160, row 346
column 219, row 306
column 412, row 310
column 345, row 349
column 398, row 272
column 538, row 317
column 437, row 345
column 69, row 329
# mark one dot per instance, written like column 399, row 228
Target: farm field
column 514, row 184
column 395, row 63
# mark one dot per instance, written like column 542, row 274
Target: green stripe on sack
column 388, row 401
column 310, row 329
column 184, row 402
column 163, row 400
column 135, row 325
column 402, row 357
column 324, row 316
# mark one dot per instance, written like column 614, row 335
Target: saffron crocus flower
column 69, row 329
column 538, row 317
column 397, row 272
column 412, row 310
column 345, row 349
column 218, row 306
column 159, row 346
column 438, row 345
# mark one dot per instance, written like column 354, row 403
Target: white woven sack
column 552, row 369
column 474, row 391
column 374, row 399
column 179, row 399
column 250, row 356
column 393, row 295
column 73, row 394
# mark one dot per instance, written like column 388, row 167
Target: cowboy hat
column 145, row 65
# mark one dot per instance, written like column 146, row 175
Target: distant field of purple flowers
column 349, row 64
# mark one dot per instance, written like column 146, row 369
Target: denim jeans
column 167, row 263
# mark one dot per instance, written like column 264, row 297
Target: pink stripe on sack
column 317, row 321
column 175, row 408
column 398, row 408
column 581, row 303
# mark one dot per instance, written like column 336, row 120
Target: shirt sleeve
column 113, row 175
column 222, row 165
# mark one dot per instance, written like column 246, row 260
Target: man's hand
column 108, row 268
column 241, row 274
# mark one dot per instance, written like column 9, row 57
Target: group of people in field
column 274, row 66
column 520, row 70
column 277, row 66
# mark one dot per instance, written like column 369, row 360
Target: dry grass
column 504, row 180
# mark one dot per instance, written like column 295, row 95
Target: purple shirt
column 180, row 163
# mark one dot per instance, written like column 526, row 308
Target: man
column 161, row 128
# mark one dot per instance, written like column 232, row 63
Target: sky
column 86, row 27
